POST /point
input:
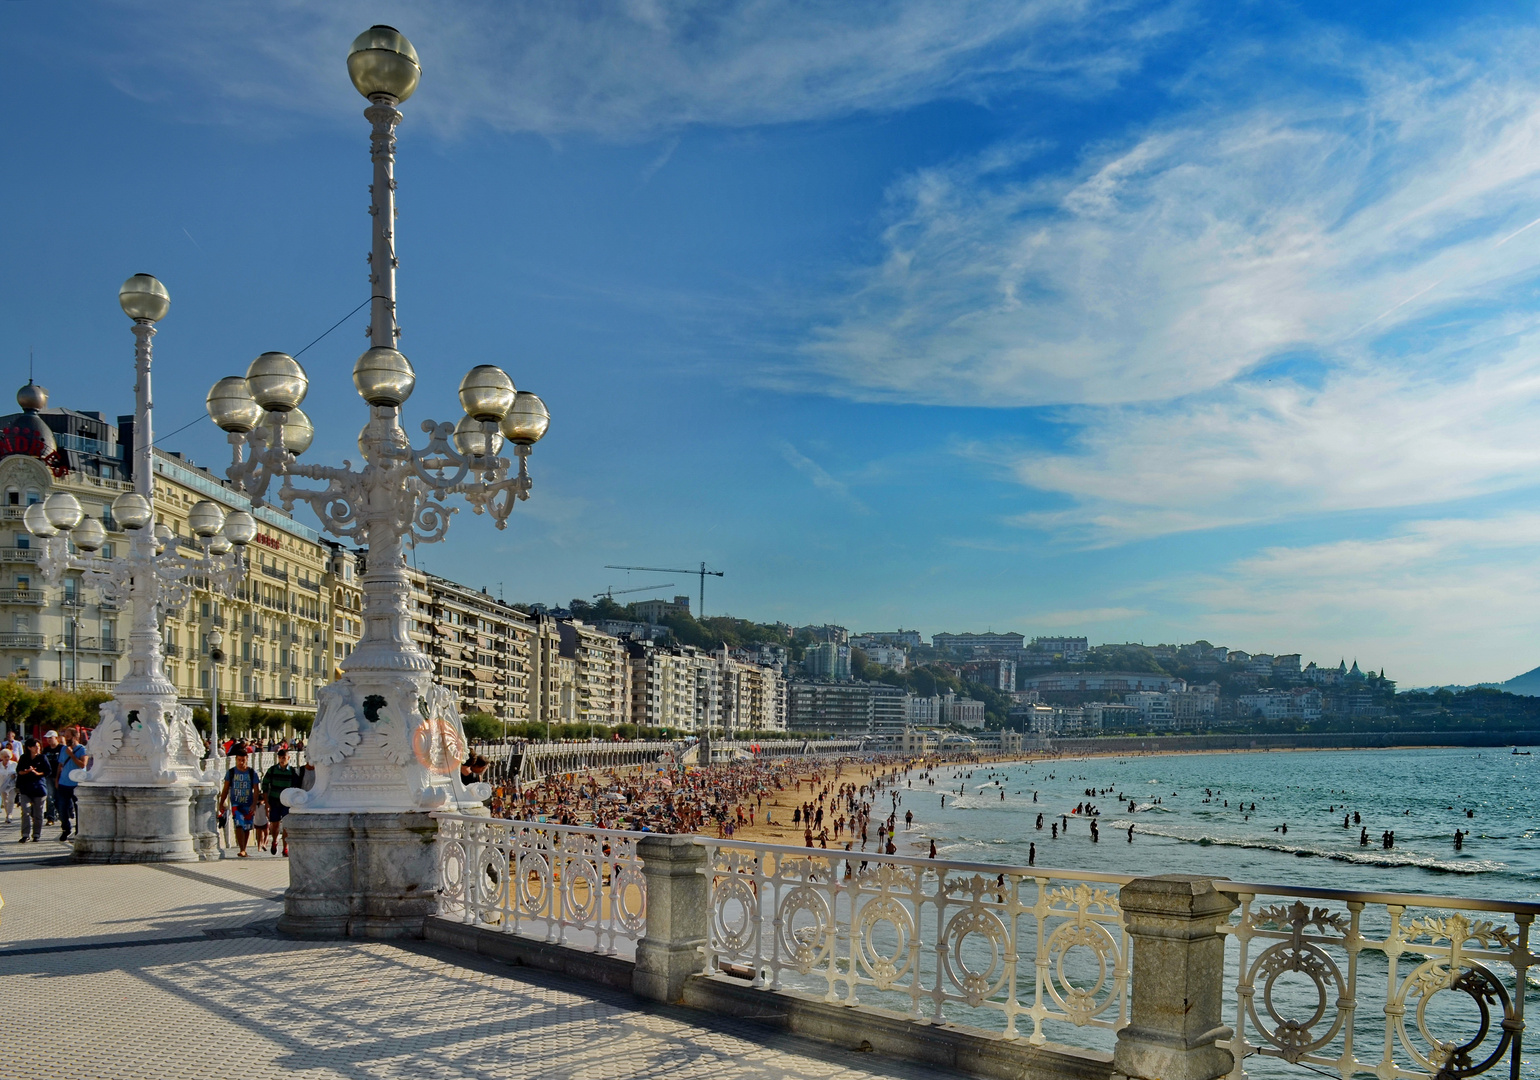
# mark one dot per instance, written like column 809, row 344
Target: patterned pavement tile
column 125, row 952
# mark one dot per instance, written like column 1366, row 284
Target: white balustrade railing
column 988, row 945
column 1388, row 984
column 563, row 884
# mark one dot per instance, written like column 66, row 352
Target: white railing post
column 1177, row 994
column 674, row 945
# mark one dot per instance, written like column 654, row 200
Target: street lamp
column 386, row 738
column 145, row 744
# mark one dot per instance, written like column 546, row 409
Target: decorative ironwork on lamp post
column 145, row 737
column 385, row 737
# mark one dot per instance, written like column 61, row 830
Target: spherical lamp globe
column 63, row 510
column 277, row 381
column 206, row 518
column 36, row 521
column 132, row 510
column 384, row 376
column 528, row 420
column 231, row 405
column 144, row 299
column 382, row 61
column 486, row 393
column 89, row 534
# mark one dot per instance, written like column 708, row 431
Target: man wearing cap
column 240, row 793
column 280, row 777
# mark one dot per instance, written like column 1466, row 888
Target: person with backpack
column 279, row 778
column 241, row 790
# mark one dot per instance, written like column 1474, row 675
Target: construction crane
column 703, row 572
column 613, row 592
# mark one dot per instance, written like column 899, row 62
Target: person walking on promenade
column 31, row 790
column 72, row 756
column 50, row 775
column 240, row 793
column 7, row 780
column 280, row 777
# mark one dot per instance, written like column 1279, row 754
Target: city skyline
column 894, row 319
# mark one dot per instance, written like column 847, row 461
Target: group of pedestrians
column 253, row 803
column 37, row 778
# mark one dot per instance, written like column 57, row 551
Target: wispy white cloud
column 1315, row 302
column 632, row 68
column 820, row 477
column 1450, row 600
column 1203, row 246
column 1369, row 437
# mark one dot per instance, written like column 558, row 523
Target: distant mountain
column 1527, row 684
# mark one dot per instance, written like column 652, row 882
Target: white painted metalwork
column 145, row 736
column 1393, row 984
column 564, row 884
column 1021, row 943
column 386, row 737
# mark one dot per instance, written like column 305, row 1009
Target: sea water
column 1193, row 814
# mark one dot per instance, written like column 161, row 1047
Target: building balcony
column 30, row 597
column 171, row 650
column 313, row 586
column 274, row 572
column 19, row 554
column 218, row 620
column 257, row 665
column 21, row 641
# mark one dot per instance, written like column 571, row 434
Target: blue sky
column 1148, row 322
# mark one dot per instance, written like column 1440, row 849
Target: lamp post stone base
column 367, row 874
column 127, row 823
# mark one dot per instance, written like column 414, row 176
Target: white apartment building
column 1154, row 707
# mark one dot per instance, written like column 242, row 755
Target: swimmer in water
column 1130, row 833
column 1031, row 854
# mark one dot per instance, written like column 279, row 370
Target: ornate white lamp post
column 145, row 752
column 387, row 742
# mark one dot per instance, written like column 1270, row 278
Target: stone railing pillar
column 673, row 947
column 1177, row 991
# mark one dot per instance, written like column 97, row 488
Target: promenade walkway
column 172, row 971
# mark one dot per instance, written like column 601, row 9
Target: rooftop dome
column 32, row 397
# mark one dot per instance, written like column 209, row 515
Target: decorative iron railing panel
column 985, row 945
column 1388, row 984
column 561, row 883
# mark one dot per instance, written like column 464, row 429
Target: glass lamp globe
column 383, row 376
column 164, row 537
column 298, row 431
column 132, row 510
column 220, row 546
column 382, row 61
column 206, row 518
column 142, row 297
column 277, row 381
column 527, row 421
column 240, row 527
column 89, row 535
column 36, row 522
column 62, row 510
column 486, row 393
column 472, row 440
column 231, row 405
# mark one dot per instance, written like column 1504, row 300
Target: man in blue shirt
column 72, row 756
column 240, row 793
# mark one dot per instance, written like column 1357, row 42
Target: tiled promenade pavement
column 164, row 972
